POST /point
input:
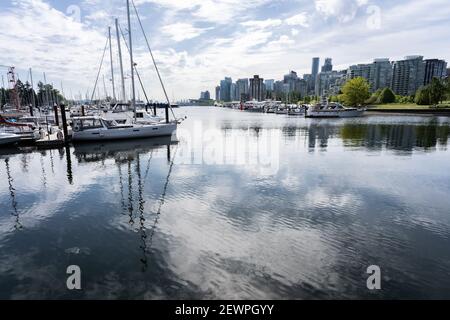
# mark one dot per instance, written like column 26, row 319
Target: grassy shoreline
column 409, row 106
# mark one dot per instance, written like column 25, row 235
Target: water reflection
column 141, row 224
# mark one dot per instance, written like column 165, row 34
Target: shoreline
column 422, row 112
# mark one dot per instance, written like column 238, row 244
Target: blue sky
column 198, row 42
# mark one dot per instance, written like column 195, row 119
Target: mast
column 133, row 92
column 112, row 65
column 46, row 91
column 33, row 101
column 120, row 61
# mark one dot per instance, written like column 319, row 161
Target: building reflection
column 373, row 137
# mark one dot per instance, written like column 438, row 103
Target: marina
column 221, row 158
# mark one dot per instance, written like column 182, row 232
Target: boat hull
column 335, row 114
column 134, row 132
column 8, row 139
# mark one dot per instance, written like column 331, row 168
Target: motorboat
column 8, row 139
column 93, row 128
column 333, row 110
column 282, row 110
column 26, row 130
column 326, row 109
column 254, row 106
column 297, row 110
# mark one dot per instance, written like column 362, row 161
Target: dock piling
column 64, row 123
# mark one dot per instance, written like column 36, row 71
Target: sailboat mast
column 32, row 89
column 120, row 61
column 133, row 92
column 112, row 64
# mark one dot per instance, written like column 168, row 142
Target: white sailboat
column 8, row 138
column 93, row 128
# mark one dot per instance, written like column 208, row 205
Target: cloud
column 219, row 12
column 300, row 19
column 182, row 31
column 343, row 10
column 262, row 24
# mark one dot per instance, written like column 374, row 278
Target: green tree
column 423, row 96
column 437, row 91
column 386, row 96
column 356, row 91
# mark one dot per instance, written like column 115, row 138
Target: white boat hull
column 8, row 139
column 334, row 113
column 132, row 132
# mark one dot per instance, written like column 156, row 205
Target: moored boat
column 8, row 139
column 93, row 128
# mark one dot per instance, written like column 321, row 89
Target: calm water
column 299, row 216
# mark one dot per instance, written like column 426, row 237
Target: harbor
column 158, row 150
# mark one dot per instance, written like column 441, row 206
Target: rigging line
column 158, row 214
column 153, row 59
column 135, row 68
column 99, row 69
column 148, row 165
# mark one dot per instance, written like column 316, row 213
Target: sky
column 197, row 43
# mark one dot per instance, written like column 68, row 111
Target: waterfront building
column 328, row 65
column 408, row 75
column 378, row 73
column 329, row 82
column 269, row 83
column 434, row 68
column 233, row 92
column 225, row 89
column 242, row 89
column 205, row 95
column 257, row 88
column 218, row 93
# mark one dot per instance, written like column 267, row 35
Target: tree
column 356, row 91
column 437, row 91
column 423, row 96
column 386, row 96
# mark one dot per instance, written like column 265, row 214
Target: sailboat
column 91, row 128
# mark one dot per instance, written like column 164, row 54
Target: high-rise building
column 218, row 93
column 269, row 83
column 225, row 89
column 257, row 90
column 328, row 83
column 434, row 68
column 328, row 65
column 242, row 89
column 205, row 95
column 234, row 92
column 315, row 66
column 408, row 75
column 314, row 73
column 378, row 73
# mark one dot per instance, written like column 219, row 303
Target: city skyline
column 197, row 43
column 404, row 77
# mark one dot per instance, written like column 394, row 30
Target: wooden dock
column 50, row 141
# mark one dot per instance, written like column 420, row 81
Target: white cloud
column 262, row 24
column 182, row 31
column 343, row 10
column 220, row 12
column 300, row 19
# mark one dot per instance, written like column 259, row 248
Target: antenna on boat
column 120, row 60
column 133, row 90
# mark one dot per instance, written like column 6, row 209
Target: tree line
column 356, row 92
column 46, row 95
